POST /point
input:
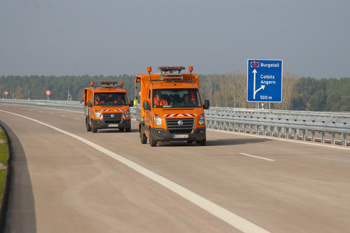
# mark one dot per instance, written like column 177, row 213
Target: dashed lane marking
column 257, row 157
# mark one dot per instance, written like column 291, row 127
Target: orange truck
column 106, row 107
column 171, row 108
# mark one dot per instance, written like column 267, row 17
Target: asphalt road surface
column 66, row 179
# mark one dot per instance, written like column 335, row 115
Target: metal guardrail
column 65, row 105
column 301, row 125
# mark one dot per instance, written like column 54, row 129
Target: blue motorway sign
column 264, row 80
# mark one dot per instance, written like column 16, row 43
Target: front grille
column 107, row 117
column 174, row 127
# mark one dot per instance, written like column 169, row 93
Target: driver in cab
column 159, row 101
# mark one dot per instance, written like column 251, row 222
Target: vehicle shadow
column 228, row 142
column 116, row 131
column 219, row 142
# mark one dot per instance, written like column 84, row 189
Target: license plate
column 113, row 125
column 181, row 136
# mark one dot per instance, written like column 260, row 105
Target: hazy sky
column 113, row 37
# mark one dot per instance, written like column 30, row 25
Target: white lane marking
column 280, row 139
column 63, row 116
column 77, row 118
column 258, row 157
column 51, row 113
column 216, row 210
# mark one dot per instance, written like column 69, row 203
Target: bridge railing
column 325, row 127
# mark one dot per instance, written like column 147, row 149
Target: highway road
column 66, row 179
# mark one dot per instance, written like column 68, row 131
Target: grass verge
column 3, row 160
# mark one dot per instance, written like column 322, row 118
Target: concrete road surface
column 66, row 179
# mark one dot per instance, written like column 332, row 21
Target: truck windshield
column 174, row 98
column 110, row 99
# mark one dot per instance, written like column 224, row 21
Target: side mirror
column 131, row 103
column 146, row 105
column 206, row 104
column 89, row 103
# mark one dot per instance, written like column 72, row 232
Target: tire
column 203, row 142
column 143, row 139
column 121, row 130
column 152, row 142
column 88, row 127
column 93, row 128
column 128, row 129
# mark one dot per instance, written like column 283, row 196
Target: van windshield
column 174, row 98
column 110, row 99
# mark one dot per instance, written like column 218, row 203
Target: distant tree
column 297, row 103
column 317, row 101
column 20, row 94
column 333, row 102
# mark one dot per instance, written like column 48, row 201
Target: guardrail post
column 323, row 138
column 279, row 132
column 304, row 134
column 288, row 133
column 250, row 128
column 343, row 139
column 263, row 129
column 313, row 135
column 298, row 133
column 269, row 130
column 295, row 136
column 244, row 128
column 257, row 132
column 333, row 138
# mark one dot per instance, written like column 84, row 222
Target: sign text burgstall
column 264, row 80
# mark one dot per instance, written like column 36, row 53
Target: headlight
column 201, row 119
column 127, row 114
column 98, row 114
column 158, row 120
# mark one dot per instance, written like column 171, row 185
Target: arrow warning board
column 264, row 80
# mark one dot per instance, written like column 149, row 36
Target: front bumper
column 162, row 135
column 98, row 124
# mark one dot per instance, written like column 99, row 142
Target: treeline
column 230, row 90
column 227, row 90
column 34, row 87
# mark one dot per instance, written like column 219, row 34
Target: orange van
column 106, row 107
column 171, row 108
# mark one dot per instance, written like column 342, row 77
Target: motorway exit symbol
column 264, row 80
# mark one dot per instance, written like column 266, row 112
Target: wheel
column 152, row 142
column 203, row 142
column 128, row 129
column 143, row 139
column 88, row 127
column 121, row 130
column 93, row 128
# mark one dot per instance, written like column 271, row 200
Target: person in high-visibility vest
column 98, row 100
column 159, row 101
column 192, row 97
column 119, row 100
